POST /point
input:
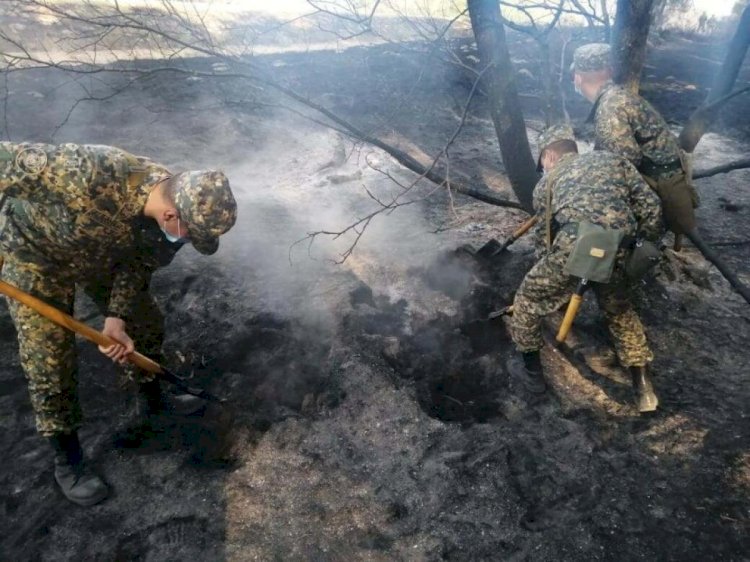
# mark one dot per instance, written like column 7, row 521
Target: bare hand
column 119, row 352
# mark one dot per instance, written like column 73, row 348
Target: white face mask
column 171, row 237
column 577, row 87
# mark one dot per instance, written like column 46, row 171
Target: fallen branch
column 730, row 242
column 711, row 256
column 403, row 158
column 360, row 225
column 255, row 75
column 723, row 169
column 703, row 117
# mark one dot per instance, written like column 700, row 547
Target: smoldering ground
column 293, row 293
column 256, row 324
column 372, row 416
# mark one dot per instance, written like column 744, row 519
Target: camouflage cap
column 591, row 58
column 205, row 202
column 553, row 133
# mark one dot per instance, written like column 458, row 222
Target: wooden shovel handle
column 520, row 231
column 67, row 321
column 570, row 315
column 525, row 227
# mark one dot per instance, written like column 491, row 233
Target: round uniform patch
column 31, row 160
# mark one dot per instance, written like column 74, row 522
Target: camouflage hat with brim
column 207, row 206
column 553, row 133
column 591, row 58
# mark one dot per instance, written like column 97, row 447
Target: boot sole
column 90, row 501
column 85, row 502
column 534, row 389
column 644, row 409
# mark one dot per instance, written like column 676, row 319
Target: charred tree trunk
column 553, row 104
column 607, row 25
column 500, row 85
column 702, row 118
column 632, row 23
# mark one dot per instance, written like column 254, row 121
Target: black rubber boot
column 77, row 482
column 530, row 372
column 645, row 397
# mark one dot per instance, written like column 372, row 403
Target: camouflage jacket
column 77, row 211
column 629, row 126
column 601, row 188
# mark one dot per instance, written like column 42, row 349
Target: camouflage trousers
column 48, row 351
column 547, row 288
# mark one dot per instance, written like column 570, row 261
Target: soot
column 455, row 362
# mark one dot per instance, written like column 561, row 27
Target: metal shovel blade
column 489, row 249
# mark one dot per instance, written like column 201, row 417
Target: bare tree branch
column 182, row 29
column 723, row 169
column 359, row 226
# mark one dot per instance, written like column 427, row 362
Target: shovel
column 592, row 260
column 571, row 311
column 493, row 247
column 505, row 311
column 67, row 321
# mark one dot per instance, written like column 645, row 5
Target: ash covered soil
column 370, row 415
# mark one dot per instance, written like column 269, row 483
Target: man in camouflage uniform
column 599, row 188
column 102, row 219
column 629, row 126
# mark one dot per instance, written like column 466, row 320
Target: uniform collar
column 565, row 158
column 138, row 195
column 608, row 85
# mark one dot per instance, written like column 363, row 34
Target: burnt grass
column 388, row 434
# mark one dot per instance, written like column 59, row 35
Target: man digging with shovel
column 595, row 196
column 105, row 220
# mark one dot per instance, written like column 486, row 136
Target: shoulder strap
column 551, row 178
column 592, row 114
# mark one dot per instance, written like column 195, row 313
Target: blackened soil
column 579, row 462
column 389, row 433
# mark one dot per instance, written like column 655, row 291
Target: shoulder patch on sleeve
column 31, row 160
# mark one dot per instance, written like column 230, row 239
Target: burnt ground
column 370, row 414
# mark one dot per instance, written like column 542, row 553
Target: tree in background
column 629, row 41
column 505, row 106
column 739, row 7
column 168, row 31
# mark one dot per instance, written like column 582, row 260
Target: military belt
column 628, row 242
column 569, row 228
column 653, row 170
